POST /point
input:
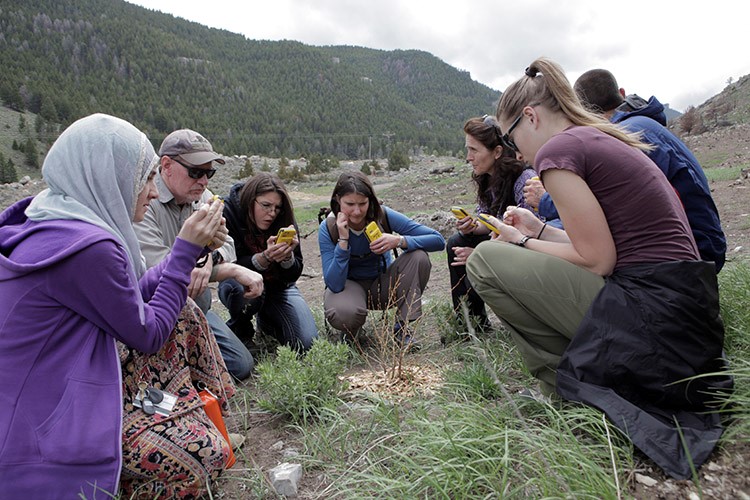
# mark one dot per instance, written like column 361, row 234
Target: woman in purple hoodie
column 72, row 283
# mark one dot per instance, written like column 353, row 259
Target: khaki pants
column 400, row 286
column 541, row 300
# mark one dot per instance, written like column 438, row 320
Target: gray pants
column 540, row 298
column 400, row 286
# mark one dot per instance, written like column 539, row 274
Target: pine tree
column 32, row 157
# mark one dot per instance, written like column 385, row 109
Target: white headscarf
column 94, row 173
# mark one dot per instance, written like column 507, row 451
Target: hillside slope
column 65, row 60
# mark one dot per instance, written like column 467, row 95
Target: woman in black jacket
column 255, row 211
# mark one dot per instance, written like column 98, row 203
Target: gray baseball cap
column 190, row 146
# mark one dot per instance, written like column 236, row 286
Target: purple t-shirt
column 644, row 213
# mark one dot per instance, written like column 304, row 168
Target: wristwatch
column 523, row 241
column 216, row 257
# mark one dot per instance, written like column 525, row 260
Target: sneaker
column 484, row 325
column 404, row 339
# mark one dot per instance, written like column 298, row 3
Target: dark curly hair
column 501, row 178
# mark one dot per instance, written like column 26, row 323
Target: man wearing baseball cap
column 186, row 165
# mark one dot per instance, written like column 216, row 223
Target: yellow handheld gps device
column 459, row 212
column 484, row 219
column 286, row 236
column 372, row 231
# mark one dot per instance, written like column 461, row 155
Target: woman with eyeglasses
column 75, row 292
column 255, row 212
column 358, row 269
column 499, row 179
column 617, row 311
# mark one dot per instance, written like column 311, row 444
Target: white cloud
column 681, row 51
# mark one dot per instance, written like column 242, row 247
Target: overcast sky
column 683, row 52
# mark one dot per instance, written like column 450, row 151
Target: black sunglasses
column 196, row 172
column 491, row 122
column 506, row 140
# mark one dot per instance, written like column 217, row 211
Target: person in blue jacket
column 360, row 274
column 598, row 90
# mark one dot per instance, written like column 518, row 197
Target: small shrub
column 301, row 387
column 246, row 171
column 398, row 158
column 321, row 164
column 474, row 379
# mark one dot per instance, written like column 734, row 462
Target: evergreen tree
column 8, row 171
column 32, row 157
column 398, row 159
column 246, row 171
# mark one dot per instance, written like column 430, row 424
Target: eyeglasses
column 270, row 208
column 196, row 172
column 506, row 140
column 491, row 122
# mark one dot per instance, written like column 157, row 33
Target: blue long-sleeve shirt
column 358, row 262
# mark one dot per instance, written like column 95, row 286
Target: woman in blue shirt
column 362, row 275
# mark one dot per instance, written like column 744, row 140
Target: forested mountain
column 66, row 59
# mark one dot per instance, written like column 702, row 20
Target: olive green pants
column 540, row 299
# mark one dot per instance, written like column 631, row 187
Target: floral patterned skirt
column 179, row 455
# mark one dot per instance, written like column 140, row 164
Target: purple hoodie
column 65, row 297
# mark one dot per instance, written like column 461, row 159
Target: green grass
column 712, row 159
column 474, row 438
column 723, row 174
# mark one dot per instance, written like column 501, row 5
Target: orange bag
column 214, row 413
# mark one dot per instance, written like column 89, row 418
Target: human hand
column 342, row 223
column 220, row 236
column 466, row 225
column 533, row 191
column 250, row 280
column 523, row 220
column 505, row 232
column 199, row 278
column 204, row 225
column 386, row 242
column 462, row 253
column 278, row 252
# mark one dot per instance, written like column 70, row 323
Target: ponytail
column 544, row 83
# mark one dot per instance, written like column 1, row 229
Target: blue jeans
column 236, row 356
column 283, row 314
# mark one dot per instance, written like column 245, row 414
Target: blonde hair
column 545, row 84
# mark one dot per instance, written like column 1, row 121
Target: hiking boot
column 404, row 339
